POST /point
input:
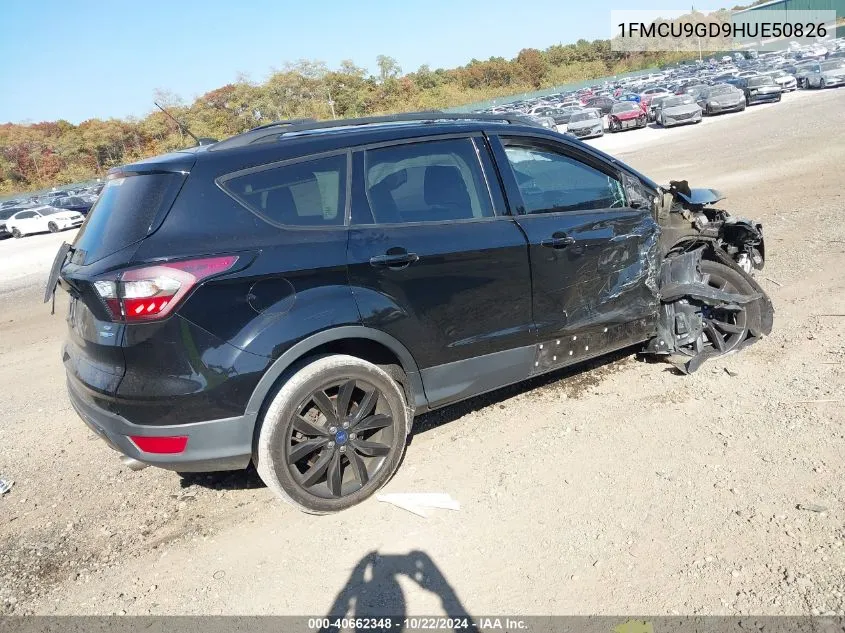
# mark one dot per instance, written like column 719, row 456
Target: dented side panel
column 604, row 277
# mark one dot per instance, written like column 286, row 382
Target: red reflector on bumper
column 171, row 444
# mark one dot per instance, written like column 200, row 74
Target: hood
column 681, row 109
column 581, row 124
column 727, row 96
column 699, row 197
column 628, row 114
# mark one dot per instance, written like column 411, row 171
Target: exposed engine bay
column 685, row 216
column 710, row 302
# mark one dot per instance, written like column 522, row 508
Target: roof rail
column 274, row 130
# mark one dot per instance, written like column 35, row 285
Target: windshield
column 584, row 116
column 627, row 106
column 49, row 210
column 673, row 102
column 721, row 89
column 5, row 214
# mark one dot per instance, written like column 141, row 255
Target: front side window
column 552, row 182
column 430, row 181
column 308, row 193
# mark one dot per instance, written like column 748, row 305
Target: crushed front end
column 711, row 304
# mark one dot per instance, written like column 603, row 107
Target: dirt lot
column 621, row 489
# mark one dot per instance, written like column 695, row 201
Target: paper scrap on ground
column 6, row 486
column 417, row 502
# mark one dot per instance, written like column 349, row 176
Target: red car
column 625, row 115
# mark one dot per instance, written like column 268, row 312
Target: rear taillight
column 150, row 293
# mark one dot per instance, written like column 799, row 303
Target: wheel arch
column 362, row 342
column 762, row 313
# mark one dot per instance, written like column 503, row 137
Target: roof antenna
column 184, row 128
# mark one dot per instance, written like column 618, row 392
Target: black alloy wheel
column 724, row 329
column 54, row 228
column 338, row 439
column 334, row 433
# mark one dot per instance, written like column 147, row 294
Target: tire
column 822, row 84
column 16, row 233
column 732, row 281
column 294, row 419
column 54, row 228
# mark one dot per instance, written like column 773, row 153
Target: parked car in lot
column 626, row 115
column 787, row 82
column 802, row 70
column 654, row 104
column 602, row 104
column 721, row 98
column 586, row 124
column 562, row 115
column 349, row 275
column 75, row 203
column 679, row 111
column 540, row 121
column 826, row 74
column 5, row 214
column 42, row 219
column 762, row 89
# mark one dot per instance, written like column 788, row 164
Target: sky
column 80, row 59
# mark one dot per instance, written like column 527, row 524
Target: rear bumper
column 213, row 445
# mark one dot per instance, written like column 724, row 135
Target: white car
column 42, row 219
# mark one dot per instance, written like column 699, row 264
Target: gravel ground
column 619, row 488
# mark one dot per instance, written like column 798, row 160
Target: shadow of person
column 373, row 590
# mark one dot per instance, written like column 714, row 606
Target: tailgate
column 92, row 354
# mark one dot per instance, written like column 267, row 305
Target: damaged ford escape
column 293, row 296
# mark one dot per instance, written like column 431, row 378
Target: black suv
column 294, row 295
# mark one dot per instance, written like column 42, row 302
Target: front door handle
column 558, row 240
column 394, row 260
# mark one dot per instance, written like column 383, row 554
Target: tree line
column 39, row 155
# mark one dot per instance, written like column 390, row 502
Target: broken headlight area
column 709, row 307
column 688, row 220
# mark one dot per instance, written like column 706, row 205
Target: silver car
column 787, row 82
column 721, row 98
column 826, row 74
column 679, row 110
column 586, row 124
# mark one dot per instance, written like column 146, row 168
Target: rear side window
column 431, row 181
column 309, row 193
column 124, row 213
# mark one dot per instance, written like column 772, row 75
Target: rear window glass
column 309, row 193
column 124, row 213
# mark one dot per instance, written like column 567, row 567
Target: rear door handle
column 558, row 240
column 395, row 260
